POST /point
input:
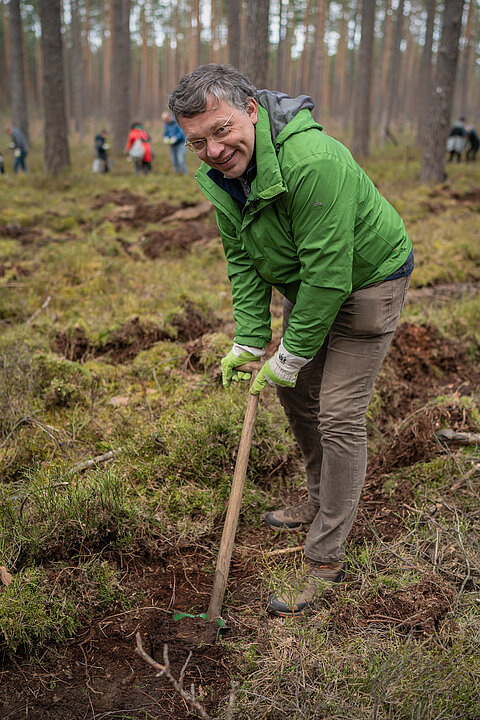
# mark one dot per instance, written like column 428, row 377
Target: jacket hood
column 281, row 108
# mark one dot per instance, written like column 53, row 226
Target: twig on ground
column 94, row 461
column 284, row 551
column 37, row 312
column 462, row 438
column 27, row 418
column 164, row 670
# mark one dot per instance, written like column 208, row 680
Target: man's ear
column 252, row 110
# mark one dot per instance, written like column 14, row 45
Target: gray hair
column 223, row 82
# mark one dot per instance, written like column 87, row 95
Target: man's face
column 231, row 155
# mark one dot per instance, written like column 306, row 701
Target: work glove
column 281, row 369
column 238, row 355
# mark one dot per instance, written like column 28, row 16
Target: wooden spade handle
column 233, row 510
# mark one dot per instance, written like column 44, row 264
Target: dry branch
column 462, row 438
column 189, row 697
column 94, row 461
column 164, row 670
column 37, row 312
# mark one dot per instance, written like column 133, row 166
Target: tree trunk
column 383, row 58
column 234, row 39
column 143, row 65
column 18, row 96
column 120, row 74
column 338, row 90
column 441, row 98
column 281, row 45
column 4, row 62
column 361, row 114
column 77, row 68
column 425, row 76
column 319, row 60
column 393, row 74
column 106, row 60
column 463, row 86
column 56, row 152
column 256, row 46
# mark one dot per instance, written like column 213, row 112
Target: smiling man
column 297, row 213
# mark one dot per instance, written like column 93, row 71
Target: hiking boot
column 292, row 517
column 305, row 587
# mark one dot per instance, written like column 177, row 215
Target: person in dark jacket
column 297, row 213
column 101, row 150
column 473, row 143
column 174, row 137
column 456, row 140
column 19, row 146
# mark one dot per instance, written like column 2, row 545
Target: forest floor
column 142, row 383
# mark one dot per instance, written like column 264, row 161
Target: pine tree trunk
column 463, row 85
column 120, row 73
column 233, row 21
column 441, row 98
column 256, row 47
column 56, row 152
column 18, row 94
column 393, row 74
column 361, row 131
column 77, row 68
column 425, row 75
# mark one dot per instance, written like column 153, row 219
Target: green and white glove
column 238, row 356
column 281, row 369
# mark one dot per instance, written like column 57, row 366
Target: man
column 19, row 146
column 174, row 136
column 297, row 213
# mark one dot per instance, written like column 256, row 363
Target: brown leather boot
column 304, row 587
column 292, row 517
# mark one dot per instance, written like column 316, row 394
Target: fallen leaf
column 5, row 576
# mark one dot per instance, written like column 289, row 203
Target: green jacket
column 314, row 226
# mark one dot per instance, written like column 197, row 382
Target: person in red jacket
column 139, row 148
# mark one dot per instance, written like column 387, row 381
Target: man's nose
column 214, row 148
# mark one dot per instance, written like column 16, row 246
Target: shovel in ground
column 213, row 614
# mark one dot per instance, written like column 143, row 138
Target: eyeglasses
column 218, row 136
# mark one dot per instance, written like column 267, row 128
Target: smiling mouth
column 227, row 159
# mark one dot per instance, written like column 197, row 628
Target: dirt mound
column 15, row 231
column 133, row 208
column 130, row 339
column 155, row 242
column 417, row 609
column 443, row 197
column 420, row 364
column 118, row 197
column 72, row 343
column 127, row 341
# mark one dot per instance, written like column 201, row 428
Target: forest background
column 371, row 67
column 117, row 440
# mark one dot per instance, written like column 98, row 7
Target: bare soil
column 98, row 675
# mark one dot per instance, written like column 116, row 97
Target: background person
column 20, row 148
column 174, row 136
column 139, row 138
column 101, row 150
column 456, row 140
column 473, row 143
column 296, row 212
